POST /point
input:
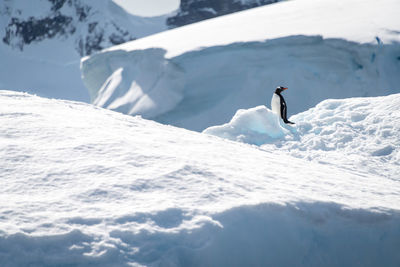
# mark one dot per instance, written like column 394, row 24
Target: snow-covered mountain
column 191, row 11
column 320, row 50
column 87, row 26
column 93, row 25
column 102, row 188
column 41, row 41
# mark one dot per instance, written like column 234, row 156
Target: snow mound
column 257, row 126
column 368, row 125
column 85, row 186
column 367, row 130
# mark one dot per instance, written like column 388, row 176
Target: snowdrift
column 103, row 188
column 367, row 130
column 205, row 72
column 257, row 126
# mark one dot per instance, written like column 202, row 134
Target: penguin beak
column 284, row 88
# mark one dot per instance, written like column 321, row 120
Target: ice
column 320, row 50
column 360, row 21
column 144, row 82
column 211, row 84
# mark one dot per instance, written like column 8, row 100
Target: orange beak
column 284, row 88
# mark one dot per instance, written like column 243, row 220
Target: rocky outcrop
column 63, row 19
column 191, row 11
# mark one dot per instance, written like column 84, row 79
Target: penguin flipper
column 283, row 109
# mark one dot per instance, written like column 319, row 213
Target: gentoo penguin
column 278, row 104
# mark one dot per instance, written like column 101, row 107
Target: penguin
column 278, row 104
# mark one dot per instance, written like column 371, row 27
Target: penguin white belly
column 276, row 104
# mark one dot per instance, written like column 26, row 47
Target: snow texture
column 366, row 130
column 216, row 67
column 257, row 126
column 81, row 185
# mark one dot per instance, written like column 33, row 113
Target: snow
column 358, row 21
column 210, row 85
column 51, row 67
column 366, row 130
column 257, row 126
column 213, row 68
column 150, row 86
column 81, row 185
column 148, row 8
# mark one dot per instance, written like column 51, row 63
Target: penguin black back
column 283, row 106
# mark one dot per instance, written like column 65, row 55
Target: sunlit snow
column 362, row 134
column 84, row 185
column 81, row 185
column 199, row 75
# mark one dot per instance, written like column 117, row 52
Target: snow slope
column 80, row 185
column 320, row 50
column 365, row 130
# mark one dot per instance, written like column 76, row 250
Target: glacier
column 43, row 41
column 221, row 65
column 81, row 185
column 206, row 87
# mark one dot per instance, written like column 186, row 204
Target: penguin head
column 279, row 89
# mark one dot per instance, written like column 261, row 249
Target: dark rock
column 96, row 32
column 33, row 29
column 191, row 11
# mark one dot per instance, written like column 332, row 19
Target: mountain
column 43, row 41
column 95, row 25
column 236, row 61
column 87, row 26
column 191, row 11
column 82, row 186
